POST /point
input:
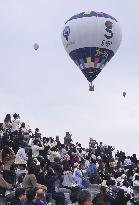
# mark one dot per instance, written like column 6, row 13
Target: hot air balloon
column 36, row 46
column 91, row 39
column 124, row 94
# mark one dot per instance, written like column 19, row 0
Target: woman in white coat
column 21, row 156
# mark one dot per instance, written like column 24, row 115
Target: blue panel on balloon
column 91, row 60
column 90, row 14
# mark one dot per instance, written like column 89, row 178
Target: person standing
column 15, row 124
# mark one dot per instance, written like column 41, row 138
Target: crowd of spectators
column 34, row 169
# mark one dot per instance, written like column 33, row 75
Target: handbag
column 19, row 160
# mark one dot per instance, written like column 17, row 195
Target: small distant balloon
column 124, row 94
column 36, row 46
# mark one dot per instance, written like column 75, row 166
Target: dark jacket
column 122, row 201
column 15, row 201
column 56, row 167
column 41, row 178
column 103, row 200
column 29, row 203
column 50, row 183
column 40, row 202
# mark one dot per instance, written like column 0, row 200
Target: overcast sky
column 49, row 91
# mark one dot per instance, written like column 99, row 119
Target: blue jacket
column 92, row 169
column 40, row 202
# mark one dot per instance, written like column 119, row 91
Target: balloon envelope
column 91, row 39
column 36, row 46
column 124, row 94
